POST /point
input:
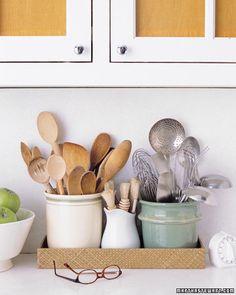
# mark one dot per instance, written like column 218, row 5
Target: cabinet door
column 45, row 30
column 173, row 30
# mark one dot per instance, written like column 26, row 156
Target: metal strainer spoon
column 166, row 136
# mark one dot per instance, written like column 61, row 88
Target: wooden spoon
column 61, row 149
column 26, row 153
column 56, row 168
column 48, row 130
column 88, row 183
column 99, row 149
column 36, row 152
column 102, row 166
column 73, row 182
column 38, row 172
column 115, row 162
column 75, row 155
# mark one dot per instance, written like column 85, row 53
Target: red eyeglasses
column 89, row 276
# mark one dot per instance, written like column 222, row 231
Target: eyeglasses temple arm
column 67, row 266
column 60, row 276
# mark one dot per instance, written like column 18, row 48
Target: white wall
column 207, row 114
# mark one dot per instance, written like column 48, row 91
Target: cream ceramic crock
column 74, row 221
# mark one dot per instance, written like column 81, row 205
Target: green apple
column 6, row 215
column 9, row 199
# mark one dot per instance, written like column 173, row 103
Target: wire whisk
column 147, row 174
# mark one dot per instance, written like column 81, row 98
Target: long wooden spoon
column 99, row 149
column 56, row 168
column 73, row 182
column 115, row 162
column 38, row 172
column 88, row 183
column 75, row 155
column 48, row 130
column 26, row 153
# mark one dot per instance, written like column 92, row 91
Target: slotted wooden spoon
column 38, row 172
column 99, row 149
column 115, row 162
column 73, row 182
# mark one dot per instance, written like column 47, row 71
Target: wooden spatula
column 102, row 166
column 75, row 155
column 26, row 153
column 73, row 182
column 115, row 162
column 36, row 152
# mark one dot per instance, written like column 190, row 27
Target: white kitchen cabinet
column 45, row 31
column 173, row 31
column 122, row 43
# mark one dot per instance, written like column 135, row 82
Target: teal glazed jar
column 169, row 225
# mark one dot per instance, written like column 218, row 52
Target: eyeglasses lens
column 88, row 276
column 111, row 272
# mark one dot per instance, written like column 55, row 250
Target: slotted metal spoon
column 166, row 136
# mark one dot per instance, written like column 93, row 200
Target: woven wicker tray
column 189, row 258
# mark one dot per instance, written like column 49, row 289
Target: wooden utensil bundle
column 75, row 170
column 129, row 193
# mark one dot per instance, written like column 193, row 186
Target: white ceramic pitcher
column 121, row 230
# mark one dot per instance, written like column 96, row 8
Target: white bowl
column 13, row 236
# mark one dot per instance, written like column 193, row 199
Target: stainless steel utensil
column 160, row 163
column 166, row 136
column 187, row 155
column 165, row 184
column 147, row 174
column 199, row 194
column 189, row 162
column 214, row 181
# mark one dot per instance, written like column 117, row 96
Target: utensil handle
column 60, row 187
column 134, row 205
column 100, row 185
column 56, row 149
column 49, row 188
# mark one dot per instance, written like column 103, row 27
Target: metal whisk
column 147, row 174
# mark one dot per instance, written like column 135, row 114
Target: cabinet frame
column 166, row 49
column 103, row 73
column 54, row 48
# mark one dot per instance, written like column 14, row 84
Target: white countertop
column 25, row 278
